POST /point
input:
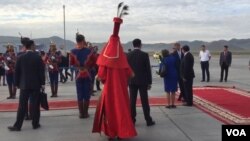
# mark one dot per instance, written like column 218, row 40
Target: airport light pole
column 64, row 28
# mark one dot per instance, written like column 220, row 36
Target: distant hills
column 45, row 42
column 240, row 45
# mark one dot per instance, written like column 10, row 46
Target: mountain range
column 239, row 45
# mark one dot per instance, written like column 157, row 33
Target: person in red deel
column 113, row 115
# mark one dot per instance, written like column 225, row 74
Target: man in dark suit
column 29, row 78
column 179, row 55
column 187, row 73
column 140, row 64
column 225, row 62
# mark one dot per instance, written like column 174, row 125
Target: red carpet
column 229, row 104
column 72, row 104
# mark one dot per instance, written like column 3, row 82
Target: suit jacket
column 140, row 64
column 228, row 59
column 30, row 72
column 178, row 61
column 187, row 66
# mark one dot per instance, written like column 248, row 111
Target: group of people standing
column 180, row 62
column 29, row 76
column 179, row 65
column 225, row 61
column 7, row 69
column 29, row 70
column 116, row 110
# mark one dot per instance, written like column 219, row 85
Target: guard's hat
column 79, row 37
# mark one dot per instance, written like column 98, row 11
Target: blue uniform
column 78, row 58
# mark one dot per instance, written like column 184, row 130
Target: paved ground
column 180, row 124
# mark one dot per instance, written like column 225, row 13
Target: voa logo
column 236, row 132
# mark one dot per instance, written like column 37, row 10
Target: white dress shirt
column 204, row 55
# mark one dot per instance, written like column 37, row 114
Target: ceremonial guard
column 2, row 70
column 53, row 60
column 10, row 61
column 81, row 58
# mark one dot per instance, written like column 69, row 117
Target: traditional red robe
column 113, row 115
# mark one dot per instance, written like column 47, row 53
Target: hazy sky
column 151, row 20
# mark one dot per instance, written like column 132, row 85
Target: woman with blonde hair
column 171, row 77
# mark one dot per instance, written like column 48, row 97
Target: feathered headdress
column 112, row 54
column 124, row 11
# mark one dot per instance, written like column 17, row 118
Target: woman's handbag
column 163, row 70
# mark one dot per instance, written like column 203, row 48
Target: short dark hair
column 186, row 48
column 203, row 46
column 24, row 40
column 29, row 44
column 137, row 43
column 80, row 38
column 165, row 53
column 225, row 46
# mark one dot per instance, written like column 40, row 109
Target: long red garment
column 113, row 115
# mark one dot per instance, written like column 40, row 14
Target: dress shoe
column 151, row 123
column 173, row 106
column 225, row 80
column 202, row 80
column 13, row 128
column 187, row 104
column 168, row 106
column 37, row 126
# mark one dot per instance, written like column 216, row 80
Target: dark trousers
column 92, row 74
column 72, row 71
column 66, row 73
column 97, row 83
column 10, row 79
column 83, row 88
column 23, row 104
column 205, row 69
column 188, row 87
column 182, row 91
column 53, row 76
column 224, row 67
column 143, row 90
column 62, row 77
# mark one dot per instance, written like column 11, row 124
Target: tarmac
column 180, row 124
